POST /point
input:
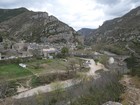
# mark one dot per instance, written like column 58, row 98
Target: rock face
column 85, row 31
column 119, row 31
column 22, row 24
column 112, row 103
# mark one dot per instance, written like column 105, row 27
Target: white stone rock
column 112, row 103
column 22, row 65
column 111, row 60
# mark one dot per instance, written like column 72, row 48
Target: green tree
column 133, row 63
column 64, row 51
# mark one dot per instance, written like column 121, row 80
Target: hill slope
column 119, row 32
column 22, row 24
column 6, row 14
column 85, row 31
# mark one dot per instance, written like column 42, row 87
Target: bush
column 49, row 78
column 64, row 51
column 103, row 59
column 80, row 47
column 59, row 55
column 7, row 89
column 107, row 88
column 133, row 64
column 119, row 50
column 35, row 81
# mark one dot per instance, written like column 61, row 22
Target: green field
column 36, row 67
column 45, row 66
column 13, row 71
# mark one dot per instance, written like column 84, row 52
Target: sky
column 77, row 13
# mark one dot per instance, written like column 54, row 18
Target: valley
column 44, row 61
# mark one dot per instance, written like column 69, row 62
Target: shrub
column 120, row 50
column 7, row 89
column 133, row 64
column 103, row 59
column 64, row 51
column 107, row 88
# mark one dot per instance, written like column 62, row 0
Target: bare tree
column 71, row 66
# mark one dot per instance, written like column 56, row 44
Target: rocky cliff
column 22, row 24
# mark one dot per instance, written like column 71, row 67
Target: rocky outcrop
column 112, row 103
column 35, row 27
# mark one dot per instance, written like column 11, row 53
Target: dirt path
column 64, row 84
column 94, row 67
column 132, row 93
column 45, row 89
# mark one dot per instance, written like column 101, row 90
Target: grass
column 12, row 71
column 45, row 66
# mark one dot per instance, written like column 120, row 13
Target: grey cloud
column 121, row 8
column 12, row 4
column 110, row 9
column 107, row 2
column 135, row 1
column 117, row 11
column 115, row 8
column 19, row 3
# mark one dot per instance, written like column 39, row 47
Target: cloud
column 108, row 2
column 77, row 13
column 120, row 8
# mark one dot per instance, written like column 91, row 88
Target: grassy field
column 13, row 71
column 45, row 66
column 39, row 67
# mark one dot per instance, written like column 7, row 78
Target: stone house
column 49, row 52
column 20, row 47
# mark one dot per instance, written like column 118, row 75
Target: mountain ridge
column 85, row 31
column 35, row 27
column 118, row 32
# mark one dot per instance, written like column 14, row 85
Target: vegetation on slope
column 6, row 14
column 133, row 62
column 107, row 89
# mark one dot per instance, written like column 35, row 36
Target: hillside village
column 23, row 49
